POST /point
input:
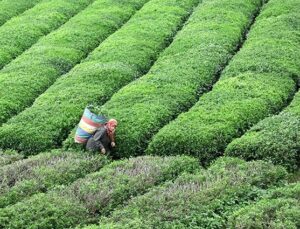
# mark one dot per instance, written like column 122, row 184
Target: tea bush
column 187, row 68
column 40, row 173
column 281, row 209
column 121, row 58
column 9, row 156
column 202, row 200
column 55, row 54
column 259, row 81
column 275, row 139
column 9, row 9
column 24, row 30
column 97, row 194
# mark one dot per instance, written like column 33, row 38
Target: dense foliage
column 121, row 58
column 9, row 156
column 202, row 200
column 259, row 81
column 59, row 56
column 280, row 209
column 40, row 173
column 184, row 70
column 22, row 31
column 96, row 194
column 55, row 54
column 9, row 9
column 277, row 138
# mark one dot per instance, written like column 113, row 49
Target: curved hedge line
column 275, row 139
column 258, row 82
column 187, row 68
column 203, row 200
column 125, row 55
column 22, row 31
column 279, row 210
column 97, row 194
column 55, row 54
column 9, row 8
column 24, row 178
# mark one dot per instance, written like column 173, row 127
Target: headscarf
column 111, row 127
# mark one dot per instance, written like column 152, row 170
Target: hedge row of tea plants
column 259, row 81
column 9, row 8
column 22, row 31
column 186, row 69
column 35, row 70
column 275, row 139
column 202, row 200
column 40, row 173
column 281, row 209
column 97, row 194
column 9, row 156
column 125, row 55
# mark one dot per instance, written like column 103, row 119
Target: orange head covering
column 111, row 127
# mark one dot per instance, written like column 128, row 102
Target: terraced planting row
column 24, row 178
column 279, row 209
column 184, row 71
column 38, row 68
column 202, row 200
column 22, row 31
column 9, row 9
column 97, row 194
column 61, row 189
column 275, row 139
column 259, row 81
column 124, row 56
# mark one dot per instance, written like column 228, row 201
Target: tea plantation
column 206, row 95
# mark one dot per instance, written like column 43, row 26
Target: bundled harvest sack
column 87, row 126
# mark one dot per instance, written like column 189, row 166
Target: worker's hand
column 103, row 151
column 113, row 144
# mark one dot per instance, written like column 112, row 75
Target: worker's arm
column 112, row 140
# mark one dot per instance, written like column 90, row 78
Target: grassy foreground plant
column 259, row 81
column 96, row 194
column 121, row 58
